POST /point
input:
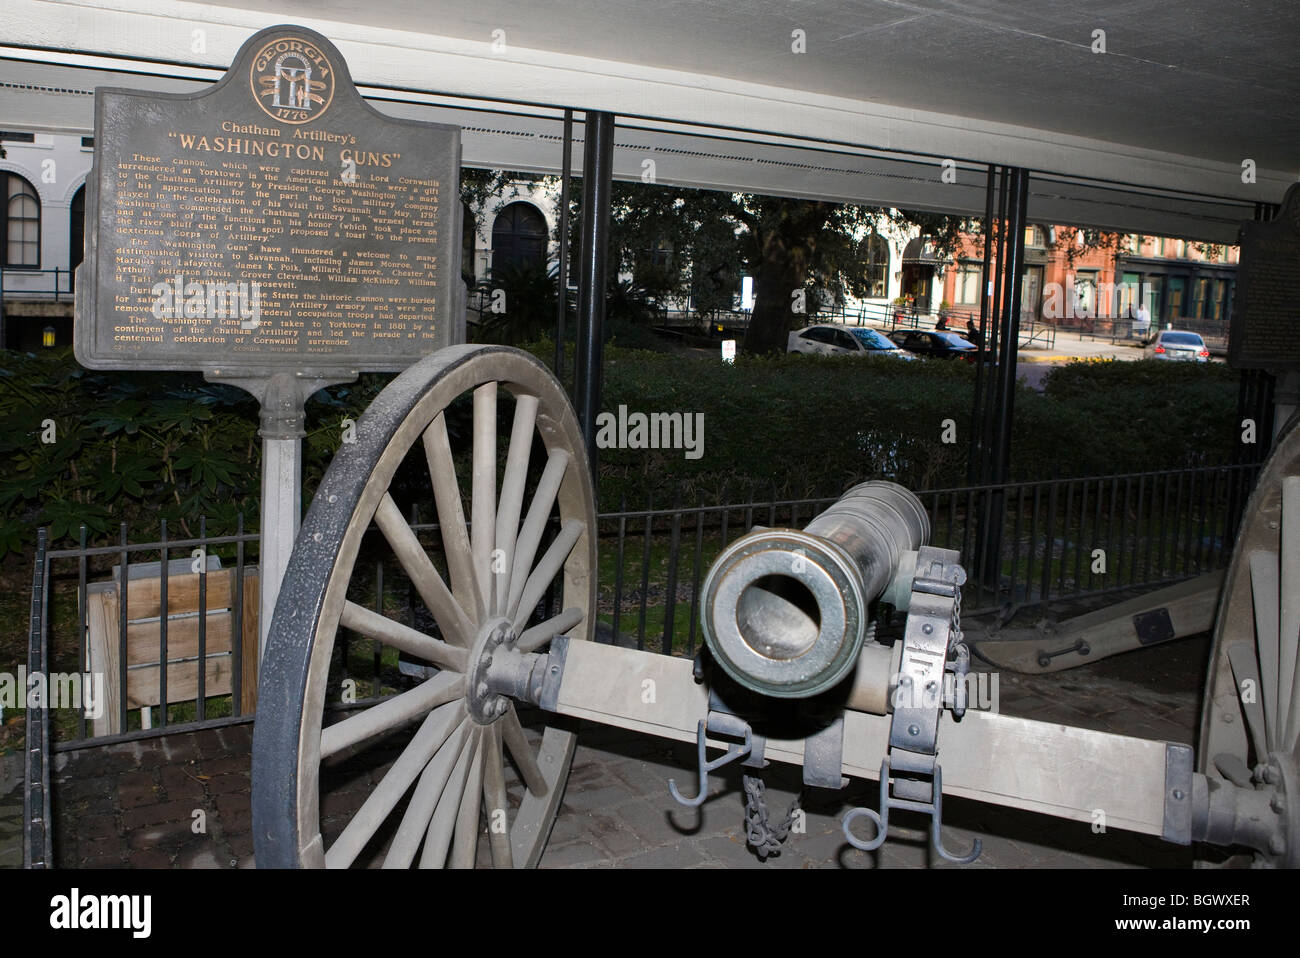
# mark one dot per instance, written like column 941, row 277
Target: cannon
column 785, row 612
column 793, row 672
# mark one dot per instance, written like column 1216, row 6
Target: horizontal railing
column 1125, row 329
column 55, row 285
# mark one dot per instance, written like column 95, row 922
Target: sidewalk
column 134, row 805
column 1070, row 347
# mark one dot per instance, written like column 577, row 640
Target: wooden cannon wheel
column 1251, row 714
column 452, row 782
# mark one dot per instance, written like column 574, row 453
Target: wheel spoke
column 512, row 734
column 539, row 512
column 465, row 844
column 484, row 485
column 1264, row 596
column 375, row 626
column 377, row 806
column 1234, row 769
column 1290, row 611
column 415, row 561
column 419, row 812
column 533, row 639
column 451, row 515
column 494, row 798
column 547, row 569
column 438, row 839
column 512, row 497
column 392, row 712
column 1246, row 673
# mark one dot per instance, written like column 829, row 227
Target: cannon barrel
column 785, row 611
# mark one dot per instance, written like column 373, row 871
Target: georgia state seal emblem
column 292, row 80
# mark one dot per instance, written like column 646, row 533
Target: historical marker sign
column 276, row 232
column 275, row 221
column 1265, row 329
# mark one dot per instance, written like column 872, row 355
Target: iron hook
column 733, row 753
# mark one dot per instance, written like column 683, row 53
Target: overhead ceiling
column 1148, row 137
column 1204, row 78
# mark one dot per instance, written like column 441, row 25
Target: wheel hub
column 1281, row 776
column 485, row 705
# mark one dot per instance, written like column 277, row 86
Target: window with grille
column 967, row 292
column 22, row 223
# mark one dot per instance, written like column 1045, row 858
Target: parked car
column 1178, row 345
column 828, row 340
column 935, row 345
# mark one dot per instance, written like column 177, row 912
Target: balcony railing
column 54, row 285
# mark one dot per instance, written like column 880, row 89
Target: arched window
column 518, row 236
column 877, row 265
column 22, row 223
column 77, row 228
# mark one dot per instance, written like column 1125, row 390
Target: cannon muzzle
column 785, row 611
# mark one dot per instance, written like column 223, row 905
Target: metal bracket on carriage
column 910, row 776
column 502, row 671
column 721, row 721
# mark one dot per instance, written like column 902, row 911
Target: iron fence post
column 597, row 184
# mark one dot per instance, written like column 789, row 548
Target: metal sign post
column 282, row 396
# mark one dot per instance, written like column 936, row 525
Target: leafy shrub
column 1133, row 416
column 101, row 448
column 530, row 304
column 137, row 447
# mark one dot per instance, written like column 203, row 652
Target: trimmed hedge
column 137, row 447
column 809, row 426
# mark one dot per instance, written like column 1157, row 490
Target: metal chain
column 759, row 833
column 960, row 665
column 956, row 636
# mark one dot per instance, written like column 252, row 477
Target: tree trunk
column 787, row 241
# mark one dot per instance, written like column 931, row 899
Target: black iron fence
column 1057, row 539
column 126, row 641
column 109, row 610
column 1124, row 329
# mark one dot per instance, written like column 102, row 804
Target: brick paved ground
column 135, row 804
column 11, row 809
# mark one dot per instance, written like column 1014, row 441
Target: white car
column 1174, row 344
column 829, row 340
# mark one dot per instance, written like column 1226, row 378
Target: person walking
column 973, row 333
column 1142, row 322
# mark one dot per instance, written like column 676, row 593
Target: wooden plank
column 1190, row 605
column 182, row 639
column 102, row 657
column 104, row 645
column 182, row 681
column 144, row 595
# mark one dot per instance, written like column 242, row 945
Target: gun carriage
column 793, row 673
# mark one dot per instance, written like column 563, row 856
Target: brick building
column 1184, row 283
